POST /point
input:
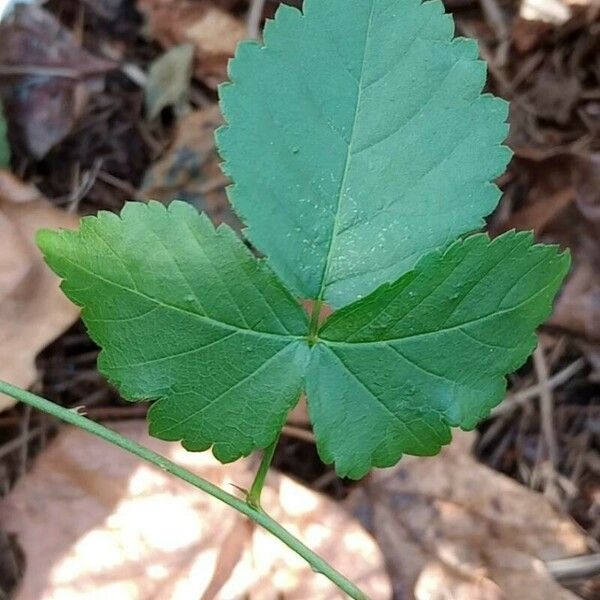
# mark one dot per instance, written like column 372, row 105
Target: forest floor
column 88, row 143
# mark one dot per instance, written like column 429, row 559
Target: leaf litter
column 213, row 31
column 32, row 310
column 47, row 78
column 189, row 169
column 452, row 527
column 197, row 547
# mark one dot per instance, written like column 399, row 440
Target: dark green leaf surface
column 187, row 316
column 393, row 372
column 358, row 140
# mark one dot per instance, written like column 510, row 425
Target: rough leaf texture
column 187, row 316
column 358, row 140
column 395, row 371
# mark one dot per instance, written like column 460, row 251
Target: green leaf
column 394, row 371
column 187, row 316
column 4, row 144
column 358, row 140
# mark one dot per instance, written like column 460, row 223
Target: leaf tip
column 46, row 239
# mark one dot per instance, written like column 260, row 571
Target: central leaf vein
column 336, row 221
column 414, row 336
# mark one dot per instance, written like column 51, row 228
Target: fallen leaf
column 168, row 81
column 578, row 307
column 47, row 78
column 33, row 310
column 539, row 213
column 96, row 523
column 212, row 30
column 190, row 169
column 450, row 527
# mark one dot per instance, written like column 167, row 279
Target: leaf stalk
column 253, row 497
column 315, row 317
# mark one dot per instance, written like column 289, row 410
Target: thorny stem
column 258, row 516
column 313, row 329
column 253, row 497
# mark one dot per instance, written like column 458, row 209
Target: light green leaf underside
column 358, row 140
column 393, row 372
column 188, row 317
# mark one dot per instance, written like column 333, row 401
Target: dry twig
column 255, row 18
column 518, row 399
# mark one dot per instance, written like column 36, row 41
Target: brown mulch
column 549, row 437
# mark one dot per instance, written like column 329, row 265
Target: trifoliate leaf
column 393, row 372
column 358, row 140
column 188, row 317
column 359, row 143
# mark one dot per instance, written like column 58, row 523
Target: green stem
column 258, row 516
column 315, row 316
column 253, row 497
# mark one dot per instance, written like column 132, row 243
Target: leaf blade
column 366, row 127
column 187, row 317
column 430, row 351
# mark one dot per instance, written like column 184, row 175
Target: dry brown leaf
column 578, row 307
column 47, row 80
column 211, row 29
column 451, row 527
column 190, row 169
column 95, row 523
column 540, row 213
column 33, row 310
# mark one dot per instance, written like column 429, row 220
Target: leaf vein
column 378, row 401
column 447, row 329
column 195, row 414
column 181, row 309
column 336, row 221
column 177, row 355
column 417, row 113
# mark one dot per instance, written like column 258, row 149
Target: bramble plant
column 361, row 149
